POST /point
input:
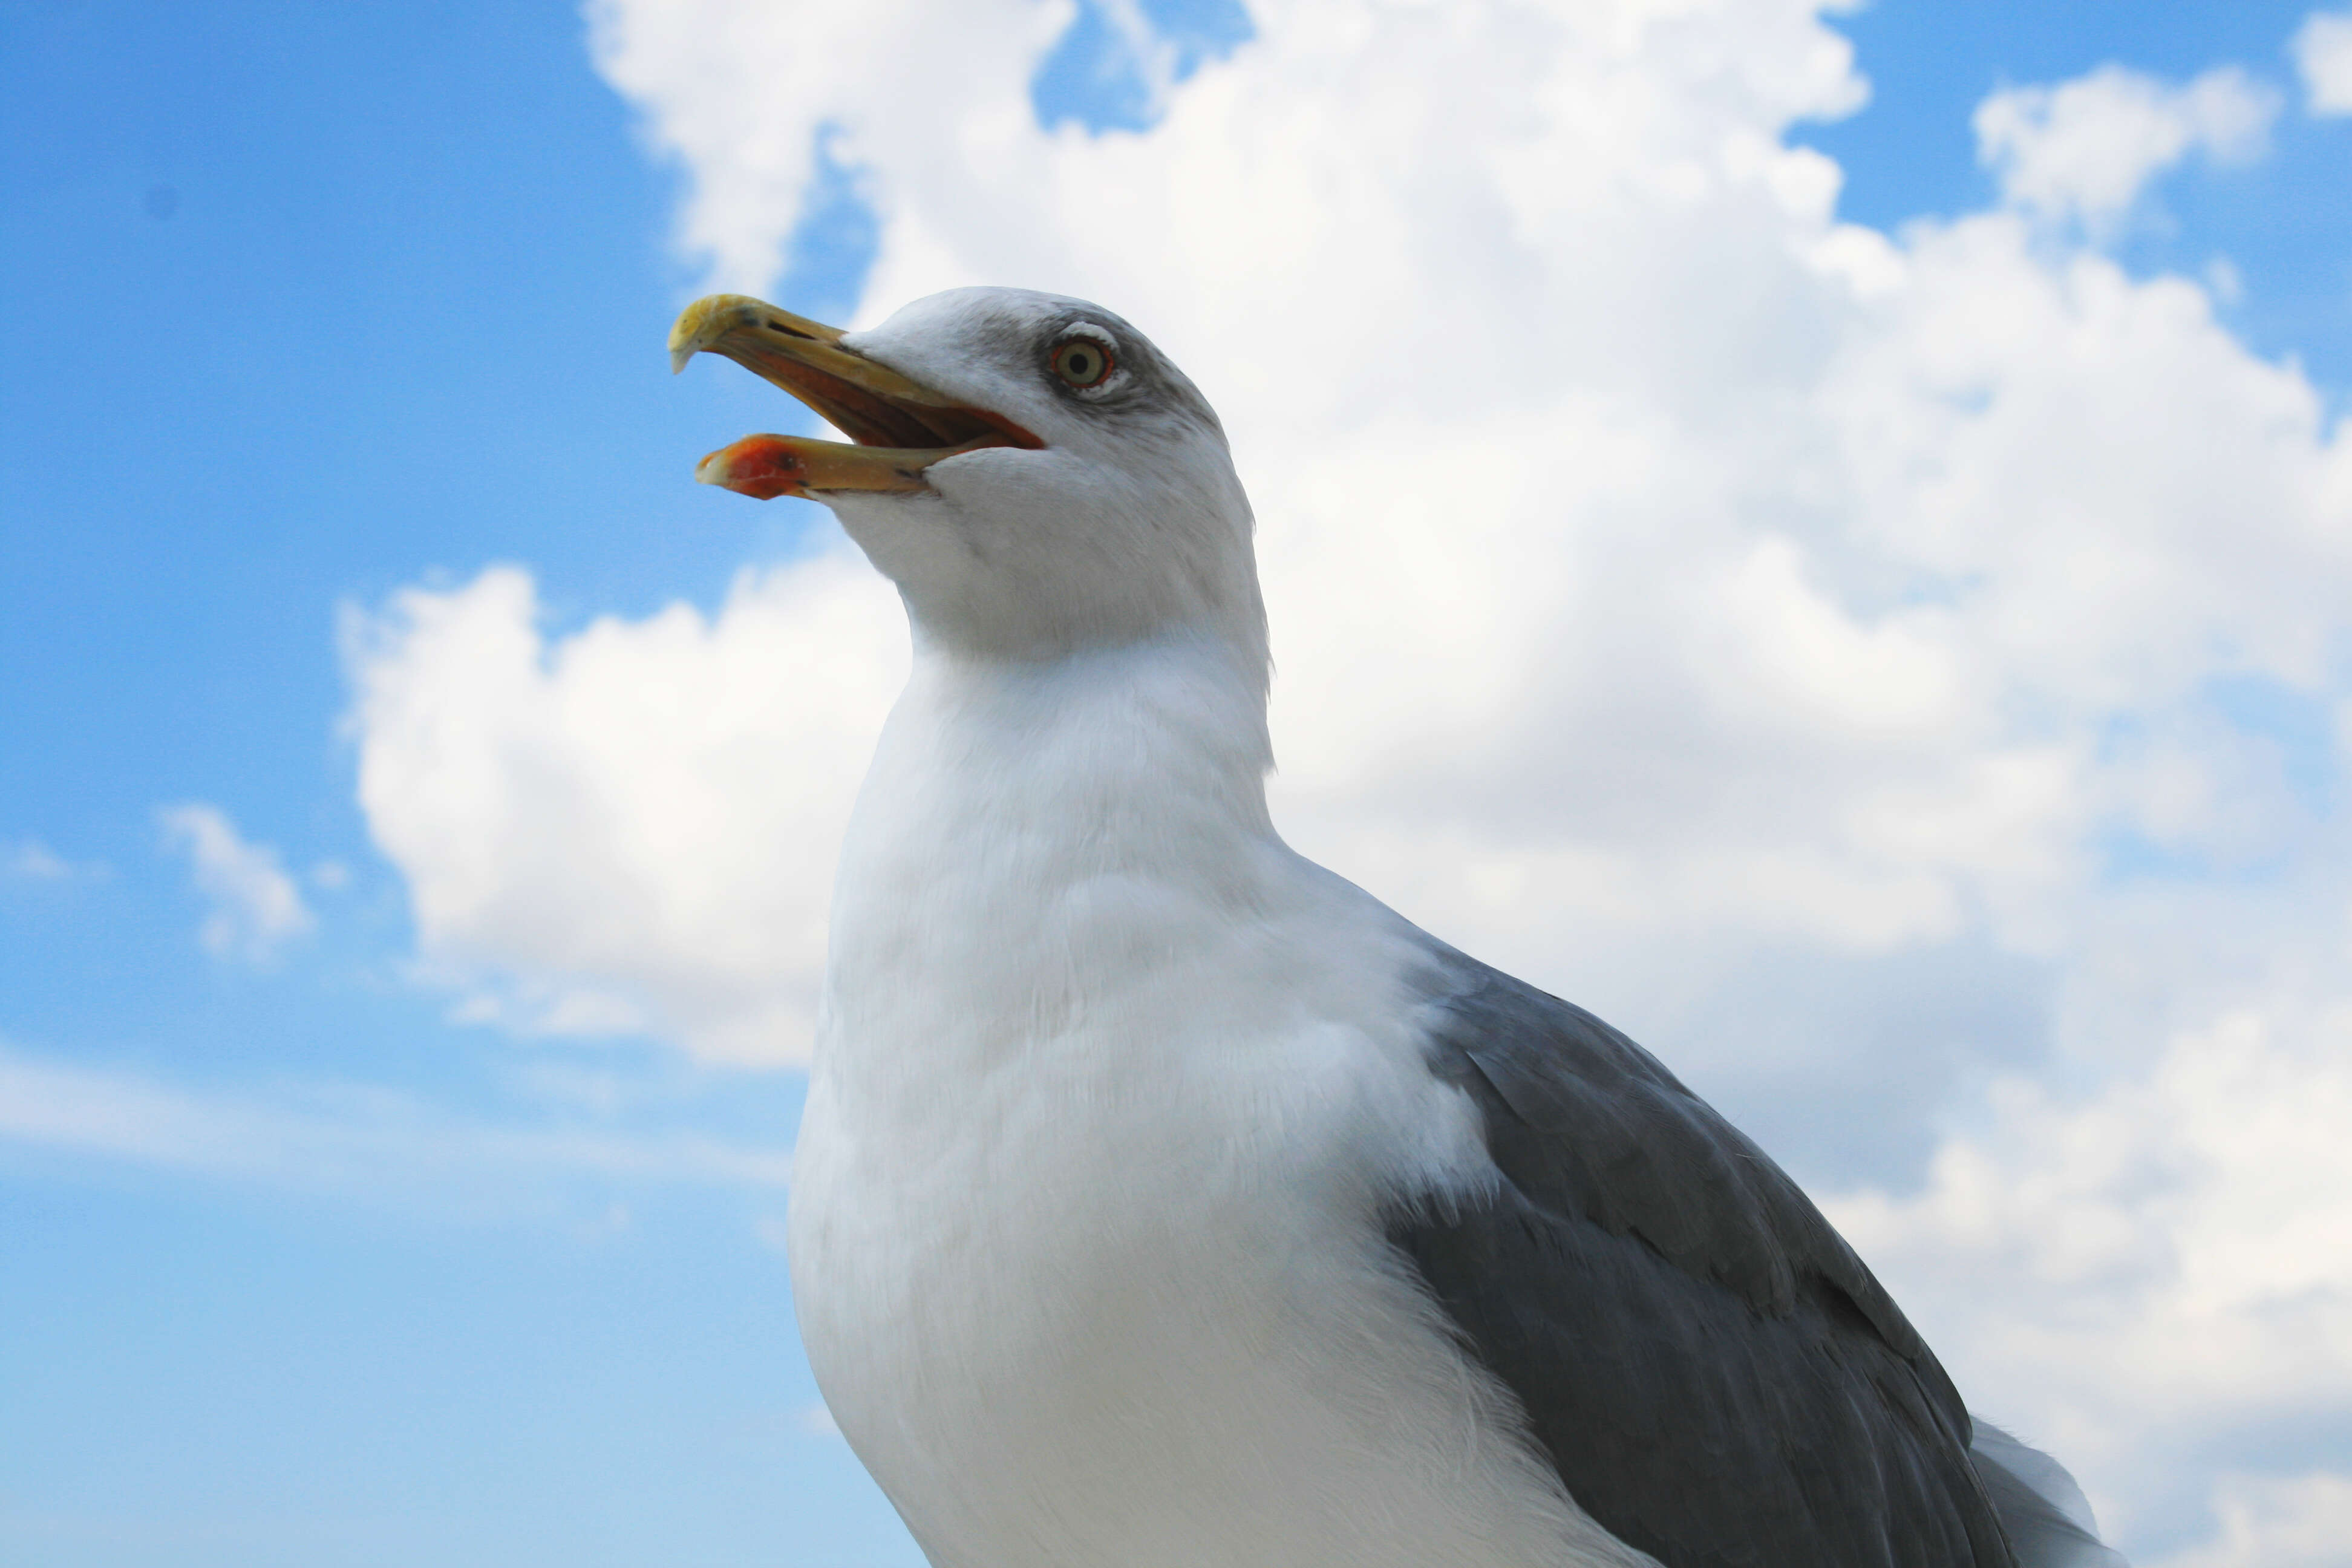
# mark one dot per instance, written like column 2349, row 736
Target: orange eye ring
column 1083, row 362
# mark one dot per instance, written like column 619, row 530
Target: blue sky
column 302, row 305
column 2282, row 222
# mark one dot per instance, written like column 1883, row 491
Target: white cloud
column 1812, row 647
column 2303, row 1521
column 748, row 149
column 30, row 861
column 2322, row 54
column 815, row 1420
column 346, row 1138
column 2161, row 1254
column 255, row 907
column 2086, row 149
column 631, row 828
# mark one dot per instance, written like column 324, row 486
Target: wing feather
column 1715, row 1374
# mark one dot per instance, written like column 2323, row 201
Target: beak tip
column 760, row 467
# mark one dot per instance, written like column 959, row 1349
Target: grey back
column 1715, row 1376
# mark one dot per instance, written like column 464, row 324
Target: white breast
column 1085, row 1235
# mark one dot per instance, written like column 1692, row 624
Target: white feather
column 1109, row 1084
column 1084, row 1231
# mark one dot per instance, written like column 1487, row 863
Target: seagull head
column 1034, row 475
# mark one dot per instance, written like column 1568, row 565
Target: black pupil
column 1079, row 364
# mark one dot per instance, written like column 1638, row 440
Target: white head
column 1033, row 473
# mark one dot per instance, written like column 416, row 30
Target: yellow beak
column 896, row 427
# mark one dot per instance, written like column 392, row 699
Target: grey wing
column 2047, row 1517
column 1717, row 1379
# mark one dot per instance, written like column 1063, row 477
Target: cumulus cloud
column 2322, row 54
column 2301, row 1522
column 2085, row 149
column 2159, row 1259
column 256, row 909
column 749, row 152
column 1897, row 676
column 632, row 827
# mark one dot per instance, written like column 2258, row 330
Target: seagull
column 1162, row 1199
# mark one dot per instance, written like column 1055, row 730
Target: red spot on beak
column 760, row 467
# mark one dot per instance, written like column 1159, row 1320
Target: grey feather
column 2048, row 1518
column 1715, row 1376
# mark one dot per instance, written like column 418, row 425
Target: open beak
column 899, row 426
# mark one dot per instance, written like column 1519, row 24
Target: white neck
column 1106, row 807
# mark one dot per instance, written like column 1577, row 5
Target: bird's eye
column 1082, row 362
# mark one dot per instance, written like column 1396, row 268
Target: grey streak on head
column 1145, row 385
column 996, row 346
column 1128, row 524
